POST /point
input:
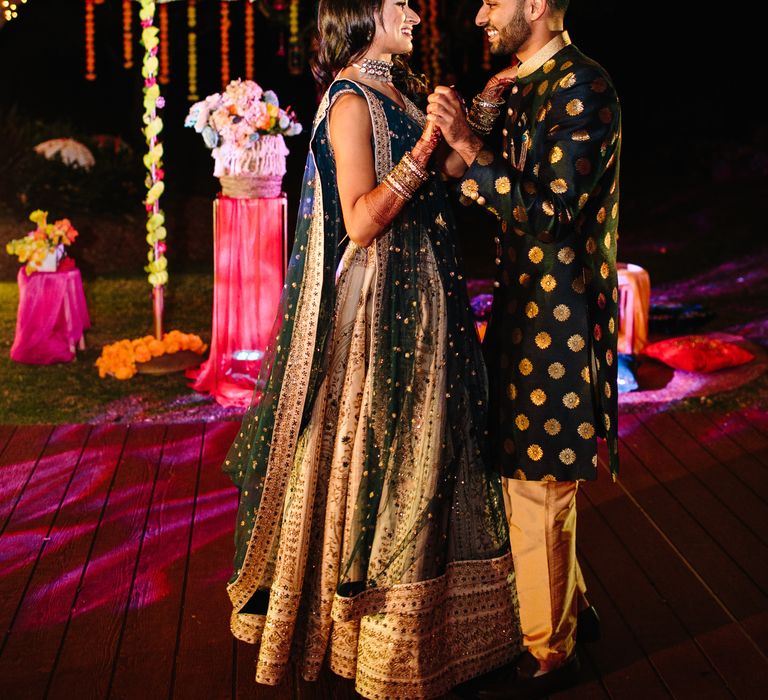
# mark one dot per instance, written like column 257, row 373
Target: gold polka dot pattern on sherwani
column 562, row 206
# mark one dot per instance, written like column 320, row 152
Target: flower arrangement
column 236, row 125
column 44, row 240
column 119, row 359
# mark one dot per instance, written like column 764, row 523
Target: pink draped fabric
column 52, row 317
column 248, row 279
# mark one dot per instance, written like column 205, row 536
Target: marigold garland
column 90, row 41
column 119, row 359
column 192, row 94
column 295, row 57
column 424, row 37
column 249, row 40
column 156, row 233
column 165, row 62
column 224, row 28
column 434, row 31
column 127, row 34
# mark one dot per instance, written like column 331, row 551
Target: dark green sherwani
column 551, row 342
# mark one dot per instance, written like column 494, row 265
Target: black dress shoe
column 523, row 684
column 588, row 626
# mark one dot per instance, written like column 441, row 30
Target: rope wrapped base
column 251, row 186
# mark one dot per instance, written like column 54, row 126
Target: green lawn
column 119, row 308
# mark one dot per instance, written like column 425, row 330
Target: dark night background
column 692, row 151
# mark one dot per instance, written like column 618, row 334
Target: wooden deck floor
column 115, row 545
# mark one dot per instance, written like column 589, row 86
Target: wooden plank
column 731, row 652
column 624, row 668
column 204, row 628
column 698, row 525
column 87, row 655
column 743, row 665
column 148, row 642
column 246, row 687
column 757, row 418
column 727, row 451
column 683, row 668
column 29, row 656
column 17, row 464
column 756, row 627
column 30, row 523
column 738, row 428
column 740, row 500
column 6, row 432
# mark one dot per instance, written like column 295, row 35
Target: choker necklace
column 375, row 69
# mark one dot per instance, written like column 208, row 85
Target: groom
column 551, row 343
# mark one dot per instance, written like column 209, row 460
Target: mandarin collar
column 553, row 46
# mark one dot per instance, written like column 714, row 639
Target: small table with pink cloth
column 634, row 307
column 52, row 317
column 249, row 242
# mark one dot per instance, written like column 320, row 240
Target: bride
column 371, row 530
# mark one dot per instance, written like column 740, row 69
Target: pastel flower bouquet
column 42, row 248
column 244, row 128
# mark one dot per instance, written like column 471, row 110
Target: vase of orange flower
column 42, row 248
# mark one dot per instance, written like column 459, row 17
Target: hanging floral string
column 486, row 52
column 424, row 36
column 165, row 63
column 192, row 95
column 295, row 58
column 434, row 32
column 224, row 27
column 249, row 40
column 153, row 161
column 90, row 38
column 279, row 6
column 127, row 34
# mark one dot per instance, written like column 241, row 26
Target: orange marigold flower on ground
column 156, row 347
column 141, row 353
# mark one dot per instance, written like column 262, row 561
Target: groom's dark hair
column 561, row 5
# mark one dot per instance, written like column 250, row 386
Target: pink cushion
column 698, row 353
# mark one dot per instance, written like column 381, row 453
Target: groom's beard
column 512, row 36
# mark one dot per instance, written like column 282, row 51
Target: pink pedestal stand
column 52, row 317
column 250, row 248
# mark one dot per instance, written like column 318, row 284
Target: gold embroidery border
column 532, row 64
column 460, row 578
